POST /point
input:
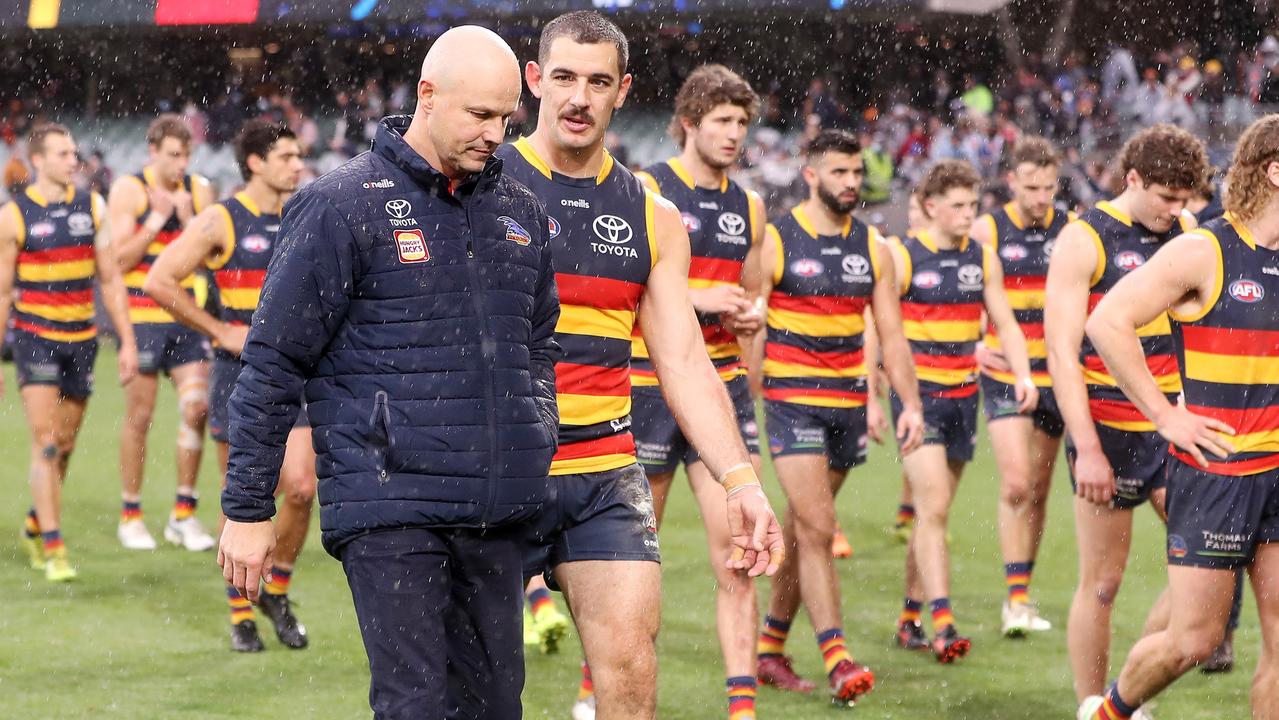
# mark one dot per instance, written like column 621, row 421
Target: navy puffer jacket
column 420, row 319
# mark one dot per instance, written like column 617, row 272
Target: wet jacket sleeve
column 304, row 301
column 544, row 352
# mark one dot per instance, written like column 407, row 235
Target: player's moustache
column 580, row 115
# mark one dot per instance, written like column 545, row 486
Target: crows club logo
column 1247, row 291
column 1014, row 252
column 691, row 222
column 411, row 245
column 1177, row 547
column 552, row 226
column 255, row 243
column 514, row 231
column 807, row 267
column 927, row 280
column 731, row 223
column 398, row 208
column 1129, row 260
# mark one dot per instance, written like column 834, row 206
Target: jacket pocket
column 380, row 437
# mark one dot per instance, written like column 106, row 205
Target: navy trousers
column 440, row 611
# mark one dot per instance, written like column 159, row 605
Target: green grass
column 144, row 635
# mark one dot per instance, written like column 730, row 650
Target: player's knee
column 138, row 420
column 932, row 517
column 48, row 448
column 299, row 490
column 815, row 528
column 1015, row 492
column 1195, row 647
column 1106, row 588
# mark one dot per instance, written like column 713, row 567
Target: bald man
column 412, row 298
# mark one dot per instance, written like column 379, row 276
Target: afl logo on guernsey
column 255, row 244
column 411, row 245
column 807, row 267
column 42, row 229
column 1247, row 291
column 1129, row 260
column 691, row 223
column 552, row 226
column 514, row 231
column 926, row 280
column 1014, row 252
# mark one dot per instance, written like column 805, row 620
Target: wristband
column 738, row 478
column 1028, row 382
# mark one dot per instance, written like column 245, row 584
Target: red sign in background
column 205, row 12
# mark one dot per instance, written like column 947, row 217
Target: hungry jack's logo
column 411, row 245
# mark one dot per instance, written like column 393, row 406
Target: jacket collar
column 389, row 143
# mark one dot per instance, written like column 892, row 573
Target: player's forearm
column 1013, row 343
column 1116, row 341
column 1072, row 397
column 131, row 248
column 116, row 300
column 169, row 295
column 701, row 406
column 900, row 366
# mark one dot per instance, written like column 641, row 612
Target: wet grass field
column 144, row 635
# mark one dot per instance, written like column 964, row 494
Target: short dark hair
column 168, row 125
column 586, row 27
column 840, row 141
column 35, row 141
column 1034, row 150
column 1166, row 155
column 946, row 176
column 706, row 88
column 257, row 137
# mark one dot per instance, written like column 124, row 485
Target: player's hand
column 1027, row 395
column 992, row 360
column 910, row 430
column 183, row 206
column 744, row 323
column 162, row 203
column 754, row 532
column 1094, row 478
column 244, row 552
column 876, row 421
column 720, row 299
column 1195, row 433
column 232, row 338
column 127, row 362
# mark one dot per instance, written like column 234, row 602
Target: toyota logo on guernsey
column 732, row 223
column 399, row 210
column 1247, row 291
column 615, row 232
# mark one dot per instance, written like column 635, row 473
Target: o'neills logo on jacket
column 411, row 245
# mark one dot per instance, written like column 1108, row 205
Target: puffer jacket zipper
column 487, row 351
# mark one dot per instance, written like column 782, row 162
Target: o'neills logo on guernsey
column 411, row 245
